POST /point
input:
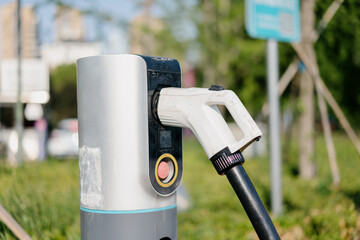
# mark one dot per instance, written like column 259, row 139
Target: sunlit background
column 209, row 39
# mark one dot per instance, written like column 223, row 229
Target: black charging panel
column 163, row 72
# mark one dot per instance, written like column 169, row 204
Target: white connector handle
column 196, row 108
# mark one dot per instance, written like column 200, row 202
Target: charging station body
column 130, row 165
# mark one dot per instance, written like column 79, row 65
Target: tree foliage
column 218, row 49
column 63, row 102
column 338, row 53
column 227, row 56
column 222, row 53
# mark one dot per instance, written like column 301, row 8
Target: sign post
column 272, row 68
column 19, row 113
column 274, row 20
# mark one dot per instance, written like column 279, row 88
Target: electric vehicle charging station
column 131, row 109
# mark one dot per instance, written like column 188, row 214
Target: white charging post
column 130, row 166
column 131, row 112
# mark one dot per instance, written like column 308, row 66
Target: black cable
column 251, row 202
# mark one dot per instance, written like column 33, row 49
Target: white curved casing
column 113, row 135
column 196, row 108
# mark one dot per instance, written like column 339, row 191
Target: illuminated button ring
column 166, row 170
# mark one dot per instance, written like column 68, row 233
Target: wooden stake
column 329, row 14
column 283, row 83
column 288, row 76
column 10, row 222
column 329, row 98
column 312, row 66
column 292, row 68
column 340, row 115
column 327, row 133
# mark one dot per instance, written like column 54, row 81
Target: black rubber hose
column 252, row 203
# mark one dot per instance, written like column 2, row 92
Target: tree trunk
column 307, row 118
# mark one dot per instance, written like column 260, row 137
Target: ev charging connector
column 196, row 108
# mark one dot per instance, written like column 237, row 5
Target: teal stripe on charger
column 127, row 211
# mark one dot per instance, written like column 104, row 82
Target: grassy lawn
column 44, row 198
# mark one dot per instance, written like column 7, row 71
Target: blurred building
column 143, row 31
column 70, row 42
column 34, row 77
column 55, row 54
column 8, row 16
column 69, row 24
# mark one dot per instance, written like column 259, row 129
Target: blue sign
column 274, row 19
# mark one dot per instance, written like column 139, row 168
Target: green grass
column 313, row 209
column 44, row 198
